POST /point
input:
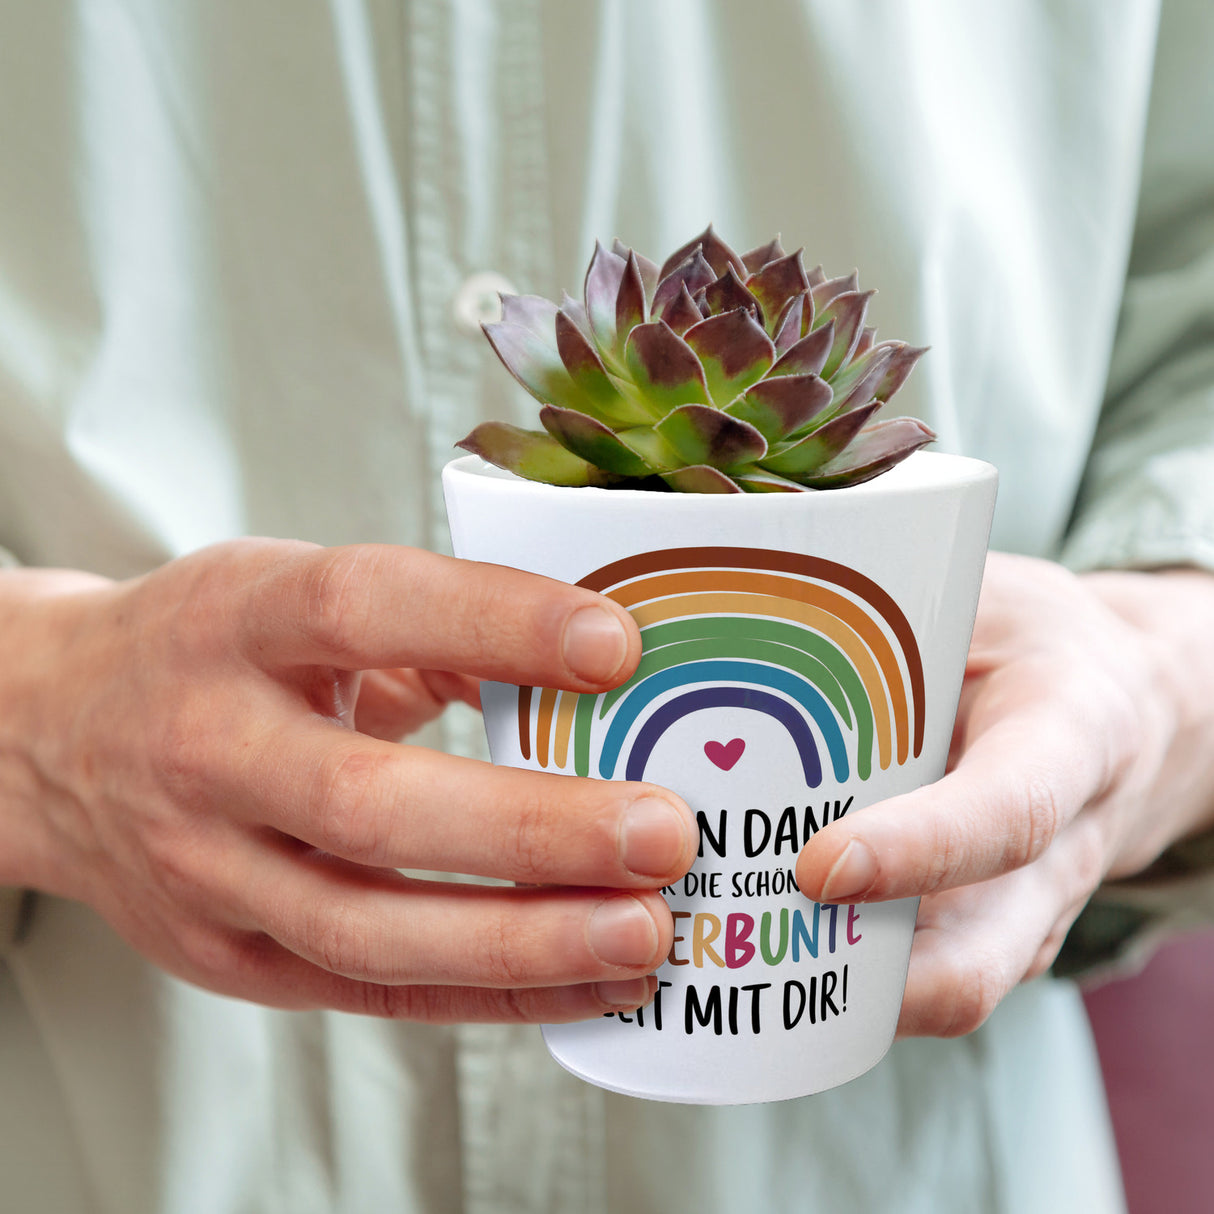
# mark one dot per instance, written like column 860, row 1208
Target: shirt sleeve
column 1147, row 498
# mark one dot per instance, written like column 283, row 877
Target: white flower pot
column 803, row 655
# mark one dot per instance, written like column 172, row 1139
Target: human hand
column 1081, row 751
column 182, row 752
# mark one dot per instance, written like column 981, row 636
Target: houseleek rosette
column 718, row 373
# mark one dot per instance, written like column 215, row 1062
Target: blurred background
column 1153, row 1032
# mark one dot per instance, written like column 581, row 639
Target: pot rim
column 922, row 472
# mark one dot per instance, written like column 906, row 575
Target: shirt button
column 477, row 303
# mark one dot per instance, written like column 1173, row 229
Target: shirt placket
column 532, row 1135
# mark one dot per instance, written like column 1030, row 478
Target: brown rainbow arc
column 661, row 585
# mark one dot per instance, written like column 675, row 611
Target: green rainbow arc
column 788, row 646
column 754, row 616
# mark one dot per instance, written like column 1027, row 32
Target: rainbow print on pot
column 813, row 644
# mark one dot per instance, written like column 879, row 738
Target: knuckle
column 210, row 955
column 332, row 606
column 1046, row 955
column 977, row 990
column 447, row 1005
column 516, row 1006
column 507, row 959
column 210, row 590
column 495, row 619
column 941, row 858
column 1035, row 826
column 532, row 851
column 352, row 788
column 181, row 751
column 178, row 867
column 338, row 941
column 484, row 621
column 391, row 1002
column 1086, row 867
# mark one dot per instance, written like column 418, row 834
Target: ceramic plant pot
column 803, row 656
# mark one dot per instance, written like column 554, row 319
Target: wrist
column 1171, row 610
column 37, row 619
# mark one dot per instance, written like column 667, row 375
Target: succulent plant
column 718, row 373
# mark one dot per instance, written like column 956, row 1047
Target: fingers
column 381, row 927
column 389, row 806
column 378, row 606
column 252, row 966
column 392, row 704
column 964, row 961
column 974, row 944
column 1021, row 780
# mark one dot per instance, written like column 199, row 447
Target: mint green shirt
column 244, row 251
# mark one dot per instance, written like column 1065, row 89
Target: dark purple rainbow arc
column 780, row 622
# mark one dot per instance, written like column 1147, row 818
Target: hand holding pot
column 1081, row 751
column 183, row 752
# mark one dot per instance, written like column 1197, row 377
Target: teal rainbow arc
column 813, row 644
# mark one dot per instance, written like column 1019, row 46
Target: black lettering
column 830, row 980
column 709, row 1013
column 755, row 817
column 786, row 830
column 717, row 841
column 791, row 1018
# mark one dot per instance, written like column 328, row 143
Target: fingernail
column 628, row 992
column 594, row 644
column 622, row 932
column 653, row 837
column 852, row 874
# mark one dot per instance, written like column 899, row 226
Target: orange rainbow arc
column 798, row 603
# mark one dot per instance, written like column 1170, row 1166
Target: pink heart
column 725, row 754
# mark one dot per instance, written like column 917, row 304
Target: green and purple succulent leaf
column 603, row 280
column 868, row 336
column 596, row 391
column 832, row 288
column 779, row 407
column 758, row 480
column 532, row 360
column 630, row 302
column 704, row 435
column 856, row 383
column 876, row 449
column 804, row 456
column 651, row 447
column 776, row 285
column 648, row 269
column 682, row 313
column 847, row 311
column 714, row 251
column 757, row 258
column 901, row 364
column 700, row 478
column 728, row 293
column 595, row 442
column 534, row 455
column 816, row 276
column 794, row 322
column 734, row 352
column 664, row 369
column 575, row 310
column 808, row 355
column 719, row 255
column 532, row 312
column 692, row 247
column 693, row 273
